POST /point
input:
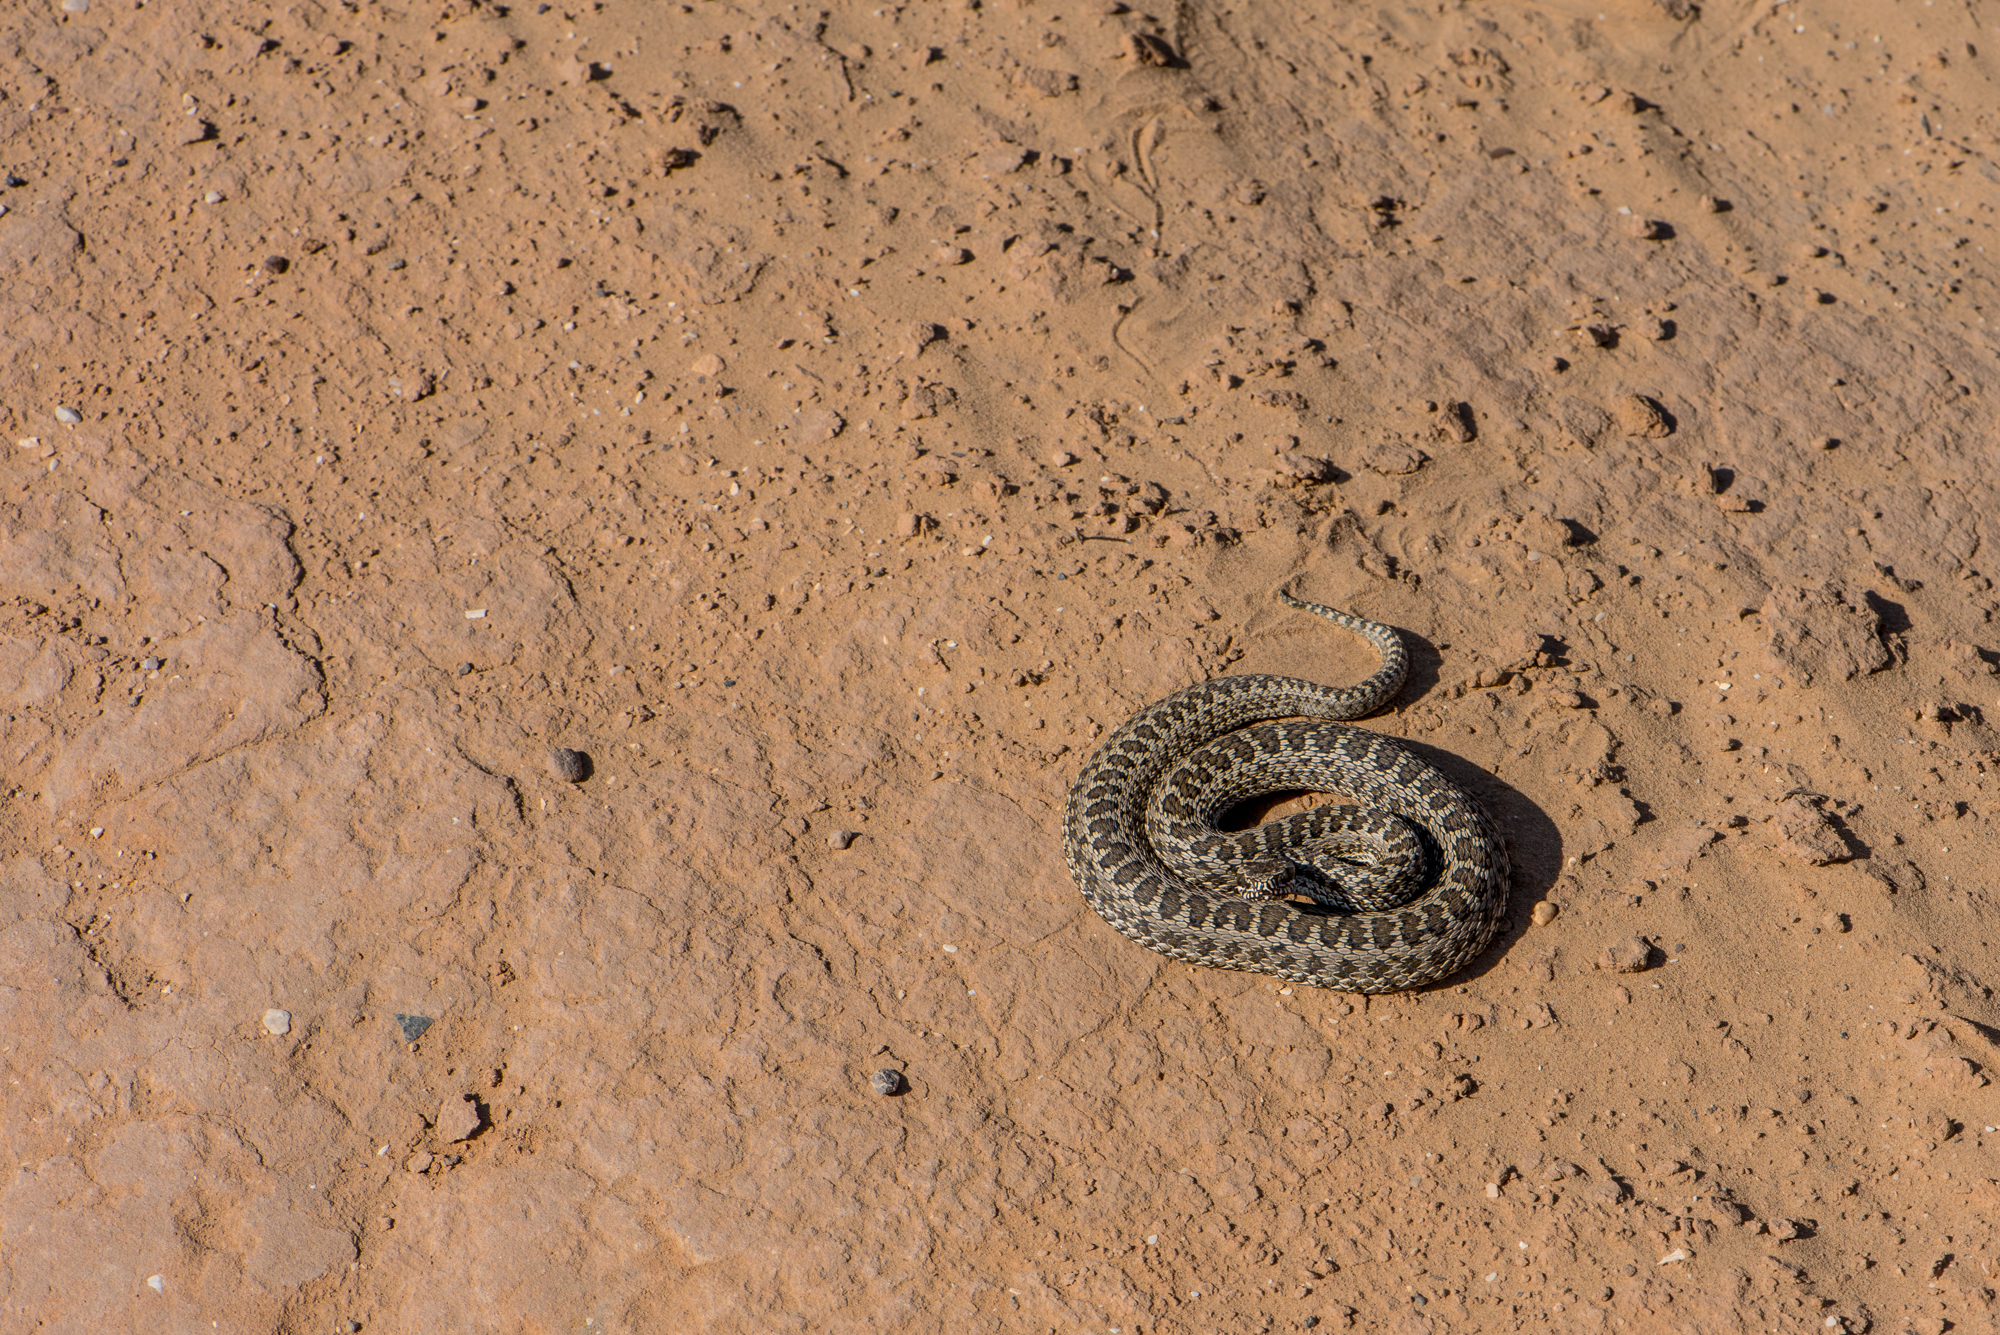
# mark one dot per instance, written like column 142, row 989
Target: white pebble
column 68, row 415
column 277, row 1022
column 157, row 1283
column 842, row 838
column 76, row 6
column 212, row 197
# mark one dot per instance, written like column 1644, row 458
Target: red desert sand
column 558, row 563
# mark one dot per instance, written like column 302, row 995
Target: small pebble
column 465, row 669
column 76, row 6
column 277, row 1023
column 1544, row 913
column 887, row 1082
column 212, row 197
column 1632, row 955
column 707, row 367
column 1313, row 468
column 921, row 334
column 1062, row 458
column 413, row 1026
column 569, row 766
column 68, row 415
column 275, row 264
column 458, row 1118
column 152, row 664
column 842, row 839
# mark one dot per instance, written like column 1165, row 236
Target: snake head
column 1266, row 881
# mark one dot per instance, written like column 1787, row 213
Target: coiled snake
column 1408, row 883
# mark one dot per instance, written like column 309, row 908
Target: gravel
column 569, row 766
column 887, row 1082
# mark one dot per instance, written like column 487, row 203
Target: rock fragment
column 1393, row 458
column 277, row 1023
column 886, row 1082
column 1638, row 415
column 920, row 334
column 1634, row 954
column 1456, row 422
column 413, row 1026
column 1306, row 468
column 458, row 1118
column 842, row 840
column 1822, row 633
column 1810, row 834
column 817, row 426
column 569, row 765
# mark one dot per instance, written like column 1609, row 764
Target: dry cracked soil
column 557, row 564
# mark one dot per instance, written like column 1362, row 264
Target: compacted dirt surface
column 832, row 423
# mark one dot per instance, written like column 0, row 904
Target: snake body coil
column 1410, row 881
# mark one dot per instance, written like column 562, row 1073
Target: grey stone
column 569, row 766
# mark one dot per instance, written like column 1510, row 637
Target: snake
column 1404, row 883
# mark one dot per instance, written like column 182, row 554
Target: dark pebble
column 152, row 664
column 569, row 766
column 414, row 1025
column 465, row 669
column 276, row 264
column 887, row 1082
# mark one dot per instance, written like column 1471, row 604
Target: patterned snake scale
column 1140, row 835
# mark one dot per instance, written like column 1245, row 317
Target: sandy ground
column 831, row 423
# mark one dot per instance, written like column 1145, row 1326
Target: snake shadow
column 1534, row 852
column 1534, row 843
